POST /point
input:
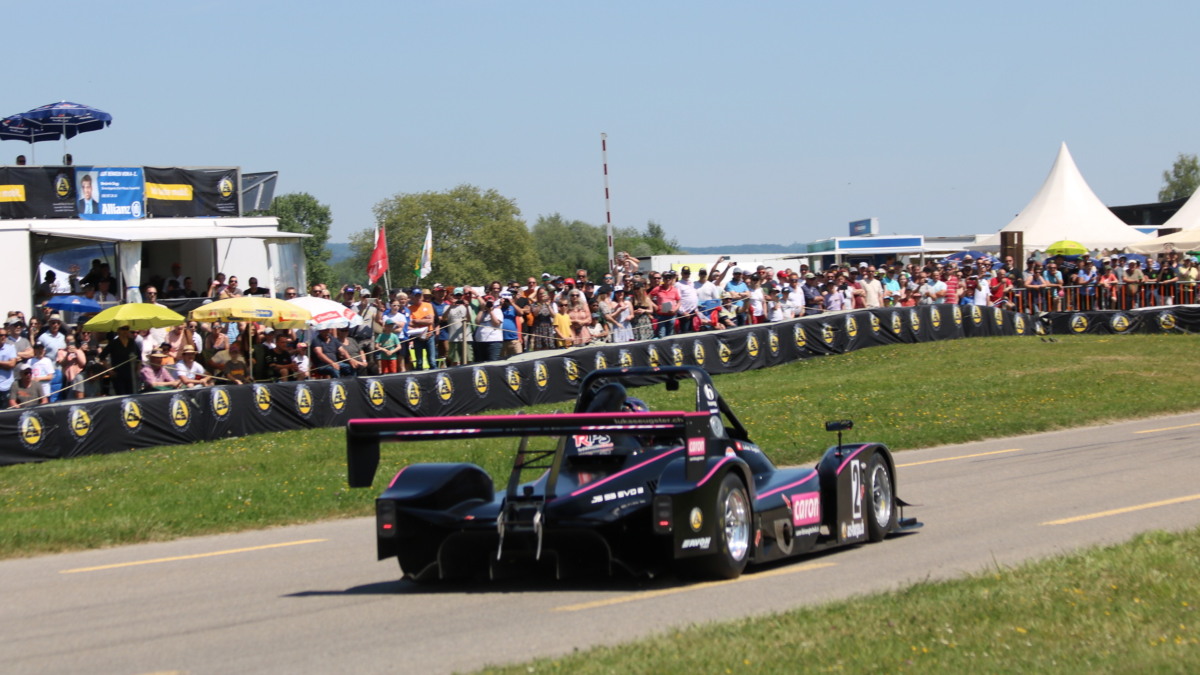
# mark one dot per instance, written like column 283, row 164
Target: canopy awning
column 159, row 231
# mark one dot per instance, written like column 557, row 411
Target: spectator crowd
column 48, row 356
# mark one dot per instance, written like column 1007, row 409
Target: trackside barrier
column 114, row 424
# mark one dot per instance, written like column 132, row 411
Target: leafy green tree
column 1182, row 180
column 301, row 212
column 565, row 246
column 478, row 236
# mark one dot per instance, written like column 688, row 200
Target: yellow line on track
column 951, row 459
column 191, row 557
column 646, row 595
column 1182, row 426
column 1127, row 509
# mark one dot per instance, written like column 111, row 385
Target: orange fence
column 1093, row 297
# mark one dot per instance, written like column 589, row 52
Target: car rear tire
column 881, row 493
column 732, row 537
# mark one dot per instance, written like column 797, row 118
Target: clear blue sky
column 728, row 123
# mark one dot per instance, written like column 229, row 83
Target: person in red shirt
column 666, row 303
column 1001, row 290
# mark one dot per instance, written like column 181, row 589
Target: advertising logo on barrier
column 412, row 390
column 935, row 317
column 851, row 326
column 625, row 358
column 998, row 316
column 677, row 354
column 773, row 342
column 652, row 356
column 1039, row 328
column 976, row 315
column 512, row 377
column 897, row 323
column 181, row 413
column 80, row 422
column 1079, row 323
column 571, row 368
column 376, row 394
column 874, row 323
column 798, row 336
column 178, row 192
column 827, row 334
column 914, row 320
column 131, row 415
column 304, row 400
column 262, row 399
column 698, row 352
column 479, row 380
column 751, row 345
column 219, row 401
column 337, row 396
column 443, row 384
column 956, row 312
column 600, row 361
column 1119, row 323
column 541, row 374
column 723, row 351
column 1166, row 321
column 31, row 429
column 1019, row 324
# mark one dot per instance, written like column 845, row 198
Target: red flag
column 378, row 264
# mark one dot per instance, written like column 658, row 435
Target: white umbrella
column 327, row 313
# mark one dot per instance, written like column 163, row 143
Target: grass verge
column 1120, row 609
column 907, row 396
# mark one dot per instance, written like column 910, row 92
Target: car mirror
column 839, row 425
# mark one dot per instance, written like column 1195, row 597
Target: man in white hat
column 189, row 371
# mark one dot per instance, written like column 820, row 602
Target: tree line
column 478, row 236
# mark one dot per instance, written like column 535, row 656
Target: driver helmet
column 636, row 405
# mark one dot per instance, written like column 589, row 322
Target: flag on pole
column 378, row 264
column 425, row 262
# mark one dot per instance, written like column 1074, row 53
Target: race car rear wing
column 363, row 436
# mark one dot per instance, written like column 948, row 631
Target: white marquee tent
column 1066, row 208
column 1184, row 240
column 1187, row 221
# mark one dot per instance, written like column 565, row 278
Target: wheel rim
column 737, row 524
column 881, row 495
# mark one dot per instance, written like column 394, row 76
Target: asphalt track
column 312, row 599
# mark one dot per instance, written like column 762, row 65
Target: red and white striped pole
column 607, row 203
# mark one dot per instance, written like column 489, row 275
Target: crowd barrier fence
column 116, row 424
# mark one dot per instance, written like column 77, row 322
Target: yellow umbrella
column 275, row 313
column 136, row 315
column 1066, row 247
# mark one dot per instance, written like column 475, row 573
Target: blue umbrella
column 73, row 303
column 976, row 256
column 19, row 128
column 68, row 119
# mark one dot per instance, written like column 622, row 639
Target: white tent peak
column 1066, row 208
column 1188, row 215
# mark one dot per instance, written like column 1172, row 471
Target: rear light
column 385, row 518
column 662, row 514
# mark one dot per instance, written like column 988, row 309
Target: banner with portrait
column 108, row 192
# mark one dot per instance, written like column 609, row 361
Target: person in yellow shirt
column 562, row 326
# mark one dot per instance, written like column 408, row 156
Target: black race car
column 621, row 487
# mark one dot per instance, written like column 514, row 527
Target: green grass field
column 907, row 396
column 1121, row 609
